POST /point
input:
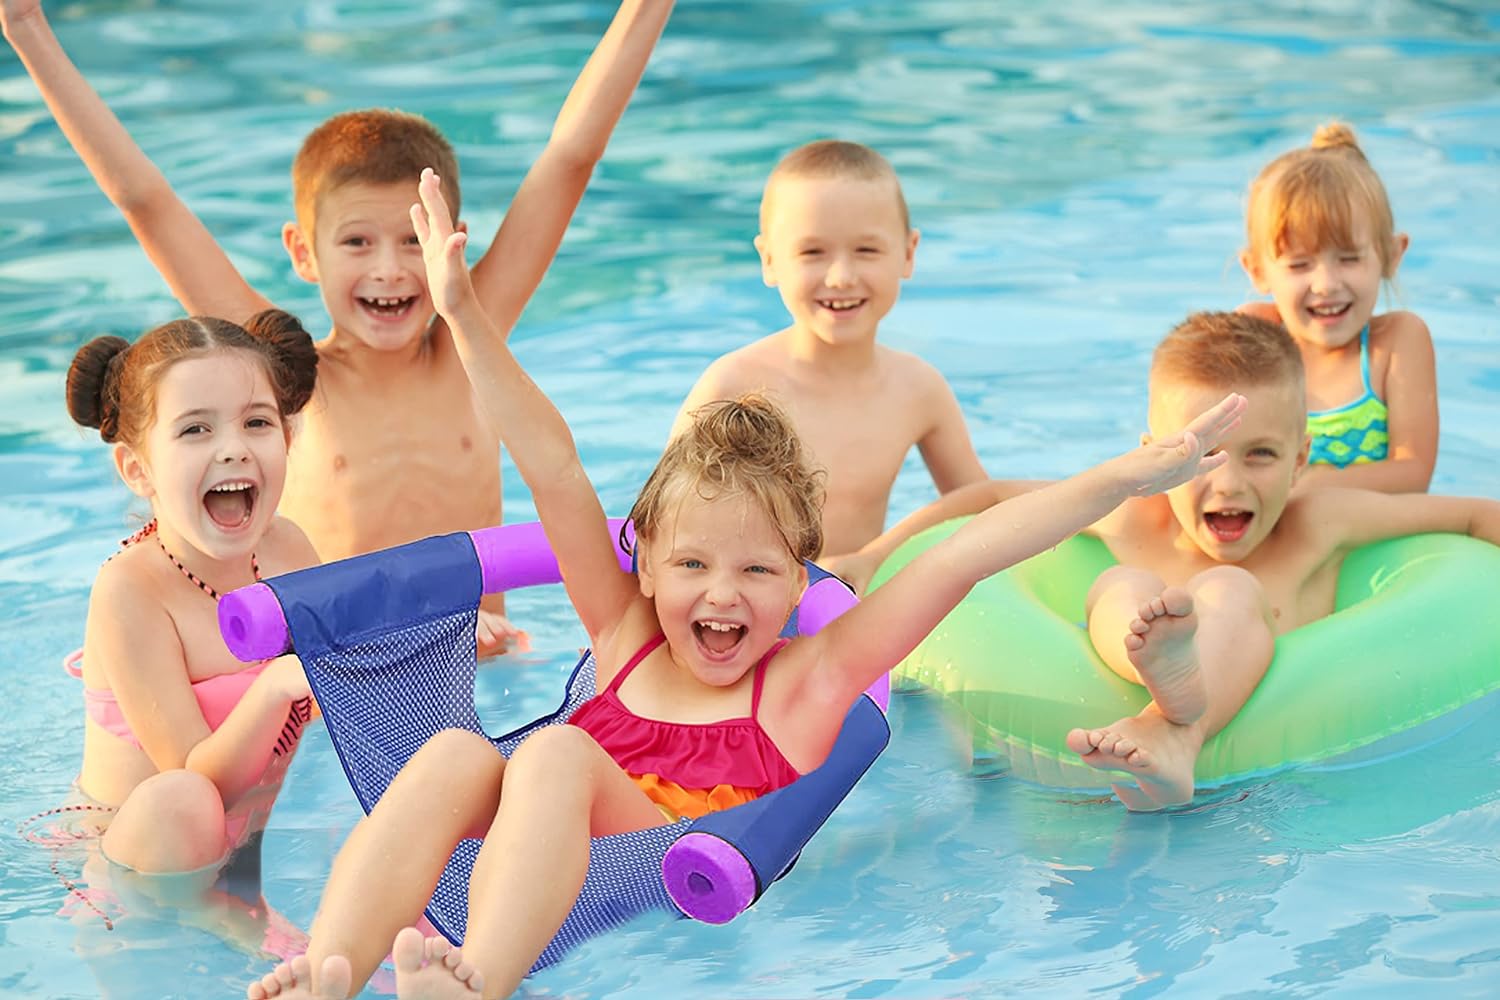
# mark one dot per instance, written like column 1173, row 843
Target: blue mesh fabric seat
column 387, row 641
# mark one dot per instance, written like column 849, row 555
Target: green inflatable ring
column 1414, row 638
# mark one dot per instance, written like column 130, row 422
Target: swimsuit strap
column 635, row 660
column 150, row 529
column 760, row 677
column 1364, row 359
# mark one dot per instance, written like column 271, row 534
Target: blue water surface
column 1077, row 172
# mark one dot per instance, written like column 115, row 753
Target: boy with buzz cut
column 836, row 241
column 391, row 448
column 1212, row 571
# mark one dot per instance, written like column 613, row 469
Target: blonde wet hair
column 744, row 447
column 1314, row 197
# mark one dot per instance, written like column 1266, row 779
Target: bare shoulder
column 286, row 548
column 761, row 364
column 1399, row 331
column 1260, row 310
column 127, row 589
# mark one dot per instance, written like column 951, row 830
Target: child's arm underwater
column 529, row 425
column 871, row 638
column 511, row 269
column 201, row 276
column 1410, row 394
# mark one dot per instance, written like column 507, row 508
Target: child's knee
column 171, row 822
column 1134, row 583
column 553, row 753
column 457, row 751
column 1229, row 588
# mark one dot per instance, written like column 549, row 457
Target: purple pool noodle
column 708, row 878
column 519, row 555
column 253, row 624
column 822, row 603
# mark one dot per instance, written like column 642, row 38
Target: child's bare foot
column 1162, row 647
column 432, row 969
column 293, row 981
column 1158, row 753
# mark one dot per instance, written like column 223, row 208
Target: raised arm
column 528, row 238
column 199, row 273
column 531, row 428
column 872, row 637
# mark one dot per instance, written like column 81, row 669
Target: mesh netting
column 386, row 695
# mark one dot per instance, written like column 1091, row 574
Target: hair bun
column 1336, row 135
column 293, row 347
column 92, row 390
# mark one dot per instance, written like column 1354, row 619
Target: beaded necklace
column 150, row 529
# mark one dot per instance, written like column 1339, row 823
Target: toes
column 335, row 978
column 440, row 950
column 407, row 950
column 1176, row 602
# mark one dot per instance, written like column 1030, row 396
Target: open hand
column 442, row 246
column 1173, row 459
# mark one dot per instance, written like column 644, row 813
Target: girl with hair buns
column 185, row 748
column 701, row 704
column 1321, row 241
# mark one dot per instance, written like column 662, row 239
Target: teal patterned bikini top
column 1355, row 432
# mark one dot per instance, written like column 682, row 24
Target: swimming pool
column 1077, row 175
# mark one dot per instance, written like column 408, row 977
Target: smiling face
column 1324, row 294
column 1229, row 511
column 724, row 584
column 213, row 461
column 837, row 249
column 366, row 261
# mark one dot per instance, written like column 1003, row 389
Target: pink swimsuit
column 688, row 769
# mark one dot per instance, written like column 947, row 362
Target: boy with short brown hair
column 836, row 241
column 391, row 448
column 1212, row 571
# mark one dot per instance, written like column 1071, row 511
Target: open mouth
column 230, row 504
column 841, row 305
column 1228, row 525
column 388, row 308
column 718, row 638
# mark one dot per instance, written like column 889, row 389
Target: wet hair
column 372, row 146
column 739, row 447
column 835, row 158
column 1313, row 197
column 112, row 383
column 1228, row 351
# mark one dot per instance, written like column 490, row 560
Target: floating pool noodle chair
column 387, row 640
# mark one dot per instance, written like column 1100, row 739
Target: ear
column 133, row 470
column 299, row 249
column 1253, row 271
column 1400, row 242
column 767, row 272
column 1145, row 438
column 644, row 575
column 1302, row 454
column 911, row 252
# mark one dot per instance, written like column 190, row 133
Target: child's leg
column 386, row 871
column 561, row 788
column 1218, row 630
column 171, row 822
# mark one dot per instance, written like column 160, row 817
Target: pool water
column 1077, row 172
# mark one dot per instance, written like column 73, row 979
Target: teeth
column 840, row 305
column 230, row 487
column 387, row 303
column 1326, row 310
column 719, row 626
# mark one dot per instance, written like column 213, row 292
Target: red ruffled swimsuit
column 688, row 769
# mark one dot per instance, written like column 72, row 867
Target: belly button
column 465, row 443
column 339, row 463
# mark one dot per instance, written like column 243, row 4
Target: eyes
column 863, row 250
column 698, row 564
column 200, row 428
column 356, row 242
column 1298, row 265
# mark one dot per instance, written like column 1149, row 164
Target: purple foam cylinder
column 510, row 556
column 708, row 878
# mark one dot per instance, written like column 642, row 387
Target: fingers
column 432, row 218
